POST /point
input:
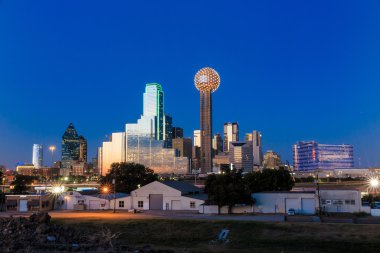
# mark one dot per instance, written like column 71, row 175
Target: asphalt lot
column 122, row 215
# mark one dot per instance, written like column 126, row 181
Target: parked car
column 291, row 211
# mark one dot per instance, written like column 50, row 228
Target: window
column 81, row 202
column 140, row 204
column 352, row 202
column 121, row 203
column 347, row 202
column 192, row 204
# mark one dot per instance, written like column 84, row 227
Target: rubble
column 38, row 234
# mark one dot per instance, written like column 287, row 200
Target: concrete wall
column 341, row 201
column 213, row 209
column 275, row 202
column 127, row 203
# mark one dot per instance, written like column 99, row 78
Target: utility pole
column 114, row 193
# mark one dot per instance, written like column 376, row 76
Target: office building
column 183, row 147
column 310, row 155
column 82, row 149
column 145, row 142
column 70, row 147
column 271, row 160
column 153, row 106
column 255, row 138
column 221, row 160
column 207, row 81
column 38, row 157
column 241, row 155
column 231, row 133
column 177, row 132
column 217, row 144
column 197, row 138
column 168, row 130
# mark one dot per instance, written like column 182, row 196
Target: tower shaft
column 206, row 131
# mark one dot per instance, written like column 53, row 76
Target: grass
column 196, row 235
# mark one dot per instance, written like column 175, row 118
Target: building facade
column 145, row 142
column 255, row 138
column 183, row 147
column 177, row 132
column 38, row 158
column 217, row 144
column 271, row 160
column 82, row 149
column 231, row 133
column 70, row 147
column 310, row 155
column 241, row 155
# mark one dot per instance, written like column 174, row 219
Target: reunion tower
column 207, row 81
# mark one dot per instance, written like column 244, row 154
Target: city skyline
column 289, row 72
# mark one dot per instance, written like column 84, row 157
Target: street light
column 52, row 149
column 105, row 189
column 374, row 182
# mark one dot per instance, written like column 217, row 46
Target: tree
column 21, row 183
column 227, row 189
column 129, row 176
column 269, row 180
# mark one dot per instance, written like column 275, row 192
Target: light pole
column 52, row 149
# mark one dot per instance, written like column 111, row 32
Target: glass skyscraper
column 146, row 141
column 70, row 147
column 310, row 155
column 37, row 156
column 154, row 106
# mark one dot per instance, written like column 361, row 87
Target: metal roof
column 183, row 187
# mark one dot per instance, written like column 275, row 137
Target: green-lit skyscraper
column 154, row 106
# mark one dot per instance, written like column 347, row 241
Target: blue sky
column 296, row 70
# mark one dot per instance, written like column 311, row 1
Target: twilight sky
column 296, row 70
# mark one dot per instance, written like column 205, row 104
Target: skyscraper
column 154, row 106
column 271, row 160
column 70, row 147
column 38, row 156
column 197, row 138
column 168, row 131
column 177, row 132
column 255, row 137
column 141, row 141
column 217, row 144
column 231, row 133
column 310, row 155
column 241, row 155
column 207, row 81
column 82, row 149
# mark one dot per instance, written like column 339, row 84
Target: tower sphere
column 207, row 79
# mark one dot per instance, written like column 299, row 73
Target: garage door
column 308, row 206
column 291, row 203
column 94, row 204
column 23, row 205
column 176, row 205
column 156, row 201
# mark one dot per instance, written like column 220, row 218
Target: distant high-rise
column 310, row 155
column 271, row 160
column 197, row 138
column 177, row 132
column 231, row 133
column 255, row 137
column 241, row 155
column 38, row 157
column 70, row 147
column 154, row 106
column 82, row 149
column 217, row 144
column 168, row 131
column 183, row 147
